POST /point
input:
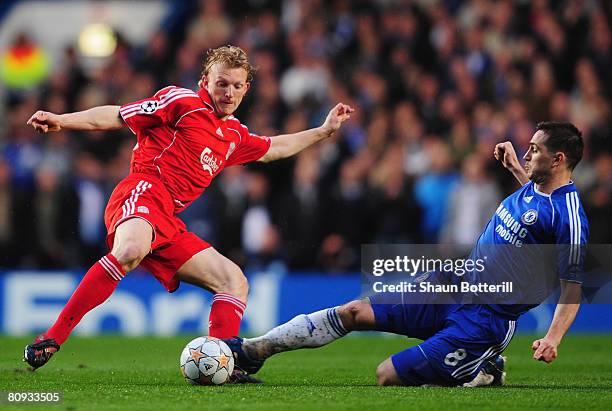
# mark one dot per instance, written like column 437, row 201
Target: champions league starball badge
column 529, row 217
column 148, row 107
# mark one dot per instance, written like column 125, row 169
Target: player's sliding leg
column 211, row 270
column 131, row 244
column 448, row 356
column 304, row 331
column 325, row 326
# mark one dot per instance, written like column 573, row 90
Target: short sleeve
column 163, row 108
column 251, row 148
column 571, row 234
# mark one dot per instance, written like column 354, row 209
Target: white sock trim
column 111, row 269
column 230, row 299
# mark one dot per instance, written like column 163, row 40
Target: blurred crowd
column 436, row 85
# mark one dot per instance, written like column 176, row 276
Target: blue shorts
column 457, row 339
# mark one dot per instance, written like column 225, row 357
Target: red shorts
column 144, row 196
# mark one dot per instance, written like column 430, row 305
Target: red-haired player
column 184, row 140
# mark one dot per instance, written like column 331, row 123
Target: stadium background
column 436, row 84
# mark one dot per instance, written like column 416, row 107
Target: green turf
column 142, row 373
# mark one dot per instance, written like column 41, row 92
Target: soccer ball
column 207, row 361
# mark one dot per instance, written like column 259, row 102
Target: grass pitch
column 142, row 373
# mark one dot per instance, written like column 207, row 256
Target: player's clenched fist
column 337, row 115
column 544, row 350
column 43, row 121
column 504, row 152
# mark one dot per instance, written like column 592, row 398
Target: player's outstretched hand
column 504, row 153
column 337, row 115
column 544, row 350
column 43, row 121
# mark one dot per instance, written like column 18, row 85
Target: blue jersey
column 529, row 217
column 460, row 337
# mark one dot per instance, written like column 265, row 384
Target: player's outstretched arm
column 286, row 145
column 504, row 153
column 95, row 119
column 545, row 349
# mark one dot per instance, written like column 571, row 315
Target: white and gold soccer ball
column 207, row 361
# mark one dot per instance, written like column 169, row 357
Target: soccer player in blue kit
column 463, row 342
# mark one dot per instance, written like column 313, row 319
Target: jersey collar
column 535, row 190
column 569, row 187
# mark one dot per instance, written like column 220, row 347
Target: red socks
column 225, row 316
column 97, row 285
column 100, row 282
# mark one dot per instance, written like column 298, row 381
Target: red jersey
column 182, row 142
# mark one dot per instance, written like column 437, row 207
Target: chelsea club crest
column 529, row 217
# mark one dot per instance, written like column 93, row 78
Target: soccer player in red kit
column 184, row 140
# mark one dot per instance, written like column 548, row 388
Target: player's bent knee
column 130, row 254
column 233, row 281
column 357, row 315
column 132, row 242
column 239, row 285
column 386, row 374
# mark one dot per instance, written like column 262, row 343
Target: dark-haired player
column 184, row 140
column 463, row 342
